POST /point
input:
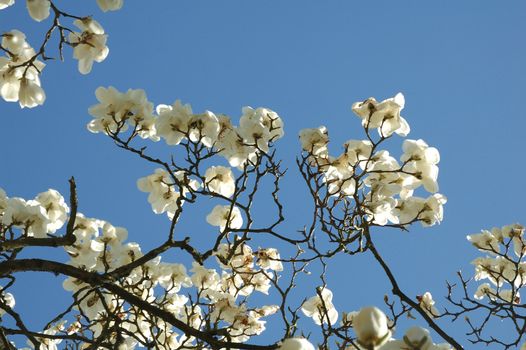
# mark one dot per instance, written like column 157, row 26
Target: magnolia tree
column 123, row 297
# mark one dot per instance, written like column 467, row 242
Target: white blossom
column 38, row 9
column 296, row 344
column 89, row 45
column 9, row 300
column 3, row 201
column 370, row 326
column 485, row 241
column 321, row 310
column 385, row 115
column 172, row 123
column 27, row 215
column 315, row 141
column 358, row 152
column 427, row 304
column 415, row 338
column 30, row 94
column 116, row 111
column 110, row 5
column 433, row 210
column 421, row 160
column 203, row 128
column 220, row 180
column 164, row 192
column 232, row 146
column 6, row 3
column 225, row 216
column 204, row 278
column 269, row 258
column 260, row 126
column 55, row 208
column 20, row 72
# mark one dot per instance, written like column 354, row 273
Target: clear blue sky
column 460, row 65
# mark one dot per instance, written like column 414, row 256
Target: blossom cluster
column 505, row 273
column 240, row 145
column 388, row 185
column 37, row 217
column 258, row 128
column 39, row 9
column 221, row 293
column 20, row 68
column 89, row 45
column 20, row 82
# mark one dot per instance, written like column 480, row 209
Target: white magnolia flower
column 358, row 151
column 242, row 258
column 227, row 310
column 408, row 209
column 49, row 343
column 172, row 277
column 55, row 207
column 9, row 80
column 109, row 114
column 89, row 45
column 485, row 290
column 30, row 94
column 315, row 141
column 3, row 201
column 338, row 175
column 14, row 41
column 260, row 126
column 204, row 278
column 18, row 81
column 164, row 192
column 321, row 310
column 172, row 123
column 38, row 9
column 27, row 215
column 434, row 210
column 232, row 146
column 382, row 211
column 117, row 110
column 269, row 259
column 370, row 326
column 245, row 326
column 485, row 241
column 110, row 5
column 418, row 337
column 220, row 179
column 415, row 338
column 420, row 160
column 6, row 3
column 427, row 304
column 383, row 115
column 296, row 344
column 225, row 216
column 203, row 128
column 9, row 300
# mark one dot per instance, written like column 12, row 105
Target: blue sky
column 460, row 66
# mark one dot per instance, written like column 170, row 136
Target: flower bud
column 296, row 344
column 110, row 5
column 38, row 9
column 30, row 94
column 370, row 326
column 418, row 337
